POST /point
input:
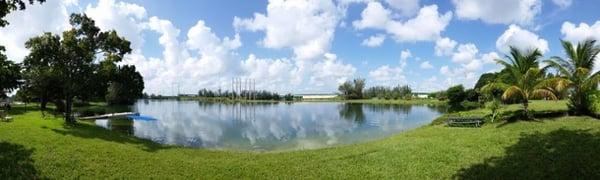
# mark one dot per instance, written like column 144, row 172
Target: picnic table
column 465, row 121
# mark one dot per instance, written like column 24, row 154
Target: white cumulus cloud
column 444, row 46
column 499, row 12
column 374, row 41
column 563, row 3
column 127, row 19
column 406, row 7
column 305, row 26
column 574, row 33
column 426, row 26
column 521, row 39
column 386, row 75
column 52, row 16
column 426, row 65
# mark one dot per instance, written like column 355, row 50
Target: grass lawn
column 537, row 107
column 560, row 148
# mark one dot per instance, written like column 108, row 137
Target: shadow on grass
column 560, row 154
column 519, row 115
column 16, row 162
column 18, row 110
column 88, row 131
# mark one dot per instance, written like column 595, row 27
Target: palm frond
column 591, row 82
column 513, row 92
column 554, row 63
column 544, row 93
column 556, row 83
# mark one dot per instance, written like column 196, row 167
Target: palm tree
column 576, row 73
column 527, row 80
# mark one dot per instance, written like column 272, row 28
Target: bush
column 456, row 95
column 467, row 105
column 472, row 95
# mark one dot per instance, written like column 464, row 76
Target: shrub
column 469, row 105
column 456, row 95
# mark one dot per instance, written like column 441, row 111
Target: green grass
column 563, row 148
column 539, row 108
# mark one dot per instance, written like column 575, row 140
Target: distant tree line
column 248, row 95
column 355, row 89
column 383, row 92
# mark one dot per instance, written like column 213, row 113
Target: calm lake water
column 269, row 126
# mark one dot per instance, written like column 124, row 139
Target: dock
column 112, row 115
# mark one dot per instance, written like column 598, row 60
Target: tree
column 74, row 60
column 472, row 95
column 6, row 6
column 41, row 82
column 485, row 78
column 10, row 73
column 527, row 78
column 456, row 95
column 359, row 85
column 126, row 87
column 352, row 89
column 576, row 73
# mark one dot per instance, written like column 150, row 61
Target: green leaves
column 70, row 61
column 10, row 74
column 576, row 72
column 352, row 89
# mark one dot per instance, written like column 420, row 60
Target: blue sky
column 308, row 46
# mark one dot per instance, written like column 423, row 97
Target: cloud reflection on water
column 272, row 126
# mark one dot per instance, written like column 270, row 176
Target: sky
column 311, row 46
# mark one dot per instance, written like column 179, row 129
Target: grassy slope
column 537, row 107
column 565, row 147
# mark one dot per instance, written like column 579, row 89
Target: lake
column 269, row 126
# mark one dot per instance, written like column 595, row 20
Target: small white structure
column 316, row 96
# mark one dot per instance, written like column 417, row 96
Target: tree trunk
column 68, row 110
column 526, row 108
column 43, row 103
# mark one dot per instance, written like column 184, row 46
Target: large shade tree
column 10, row 73
column 126, row 86
column 77, row 53
column 42, row 82
column 576, row 73
column 527, row 79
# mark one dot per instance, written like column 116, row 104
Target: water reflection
column 268, row 126
column 352, row 111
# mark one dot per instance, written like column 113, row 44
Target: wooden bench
column 465, row 121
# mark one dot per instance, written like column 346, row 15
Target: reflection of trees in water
column 396, row 108
column 351, row 111
column 438, row 108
